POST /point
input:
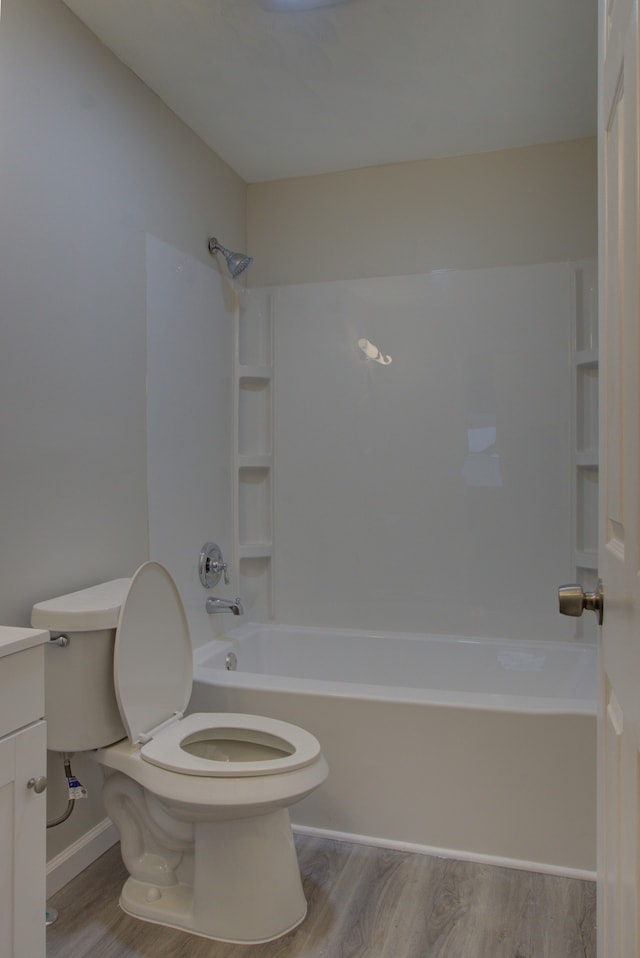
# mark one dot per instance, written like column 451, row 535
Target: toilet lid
column 152, row 664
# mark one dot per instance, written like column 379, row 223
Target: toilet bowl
column 200, row 801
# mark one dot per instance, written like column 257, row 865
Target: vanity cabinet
column 23, row 744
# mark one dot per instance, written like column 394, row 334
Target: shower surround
column 421, row 442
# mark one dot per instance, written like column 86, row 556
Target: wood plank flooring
column 363, row 901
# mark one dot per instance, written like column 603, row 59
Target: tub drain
column 231, row 662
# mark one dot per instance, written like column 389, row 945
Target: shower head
column 236, row 262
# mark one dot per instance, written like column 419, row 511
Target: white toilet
column 201, row 802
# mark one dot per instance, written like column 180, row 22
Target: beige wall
column 90, row 161
column 514, row 207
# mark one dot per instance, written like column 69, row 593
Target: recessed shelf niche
column 254, row 415
column 254, row 329
column 587, row 513
column 587, row 407
column 254, row 506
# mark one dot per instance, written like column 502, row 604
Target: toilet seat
column 298, row 747
column 153, row 675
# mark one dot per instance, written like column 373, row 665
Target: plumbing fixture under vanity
column 210, row 568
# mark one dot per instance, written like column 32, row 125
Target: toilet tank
column 80, row 701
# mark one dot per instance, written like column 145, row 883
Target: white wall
column 90, row 163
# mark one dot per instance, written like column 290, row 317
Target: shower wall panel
column 422, row 452
column 189, row 423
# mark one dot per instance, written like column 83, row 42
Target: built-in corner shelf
column 585, row 429
column 253, row 456
column 254, row 462
column 586, row 460
column 254, row 375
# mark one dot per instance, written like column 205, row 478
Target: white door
column 619, row 506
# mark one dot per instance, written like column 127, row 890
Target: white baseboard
column 499, row 861
column 81, row 853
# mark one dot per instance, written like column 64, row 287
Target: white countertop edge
column 17, row 640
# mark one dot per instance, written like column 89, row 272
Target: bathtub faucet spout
column 224, row 605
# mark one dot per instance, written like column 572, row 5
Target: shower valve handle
column 211, row 565
column 219, row 568
column 573, row 600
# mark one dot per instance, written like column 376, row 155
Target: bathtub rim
column 496, row 702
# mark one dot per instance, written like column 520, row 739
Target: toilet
column 201, row 801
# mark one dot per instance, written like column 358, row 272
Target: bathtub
column 477, row 749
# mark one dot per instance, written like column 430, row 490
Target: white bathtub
column 479, row 749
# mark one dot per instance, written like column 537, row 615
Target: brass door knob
column 573, row 600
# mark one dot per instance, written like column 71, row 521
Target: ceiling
column 367, row 82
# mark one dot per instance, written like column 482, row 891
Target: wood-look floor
column 363, row 901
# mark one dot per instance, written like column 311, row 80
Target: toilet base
column 175, row 906
column 246, row 884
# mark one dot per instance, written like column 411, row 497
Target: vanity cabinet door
column 22, row 844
